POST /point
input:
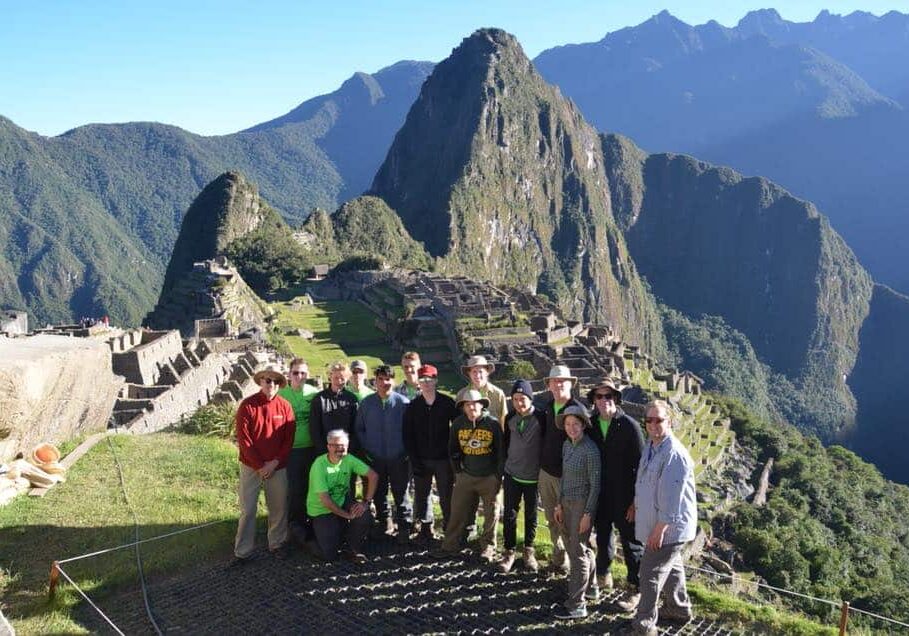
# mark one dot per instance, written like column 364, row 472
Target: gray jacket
column 522, row 448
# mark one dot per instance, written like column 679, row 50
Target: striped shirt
column 581, row 473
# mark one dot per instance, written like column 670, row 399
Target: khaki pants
column 276, row 501
column 662, row 574
column 580, row 556
column 467, row 490
column 549, row 496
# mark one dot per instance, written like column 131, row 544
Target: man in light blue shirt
column 665, row 511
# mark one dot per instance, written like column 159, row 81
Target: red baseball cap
column 427, row 371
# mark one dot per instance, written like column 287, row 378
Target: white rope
column 89, row 601
column 883, row 618
column 129, row 545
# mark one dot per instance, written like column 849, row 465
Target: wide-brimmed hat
column 471, row 395
column 477, row 361
column 606, row 383
column 271, row 371
column 578, row 411
column 560, row 372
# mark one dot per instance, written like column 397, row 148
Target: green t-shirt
column 361, row 394
column 300, row 400
column 556, row 407
column 604, row 425
column 333, row 479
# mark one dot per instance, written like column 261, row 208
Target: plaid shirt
column 581, row 473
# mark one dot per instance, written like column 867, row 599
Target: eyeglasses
column 654, row 420
column 426, row 379
column 604, row 396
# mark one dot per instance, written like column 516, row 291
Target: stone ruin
column 13, row 323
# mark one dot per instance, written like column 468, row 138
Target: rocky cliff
column 711, row 241
column 502, row 179
column 52, row 389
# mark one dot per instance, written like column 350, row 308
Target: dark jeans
column 444, row 474
column 514, row 492
column 632, row 550
column 332, row 531
column 298, row 464
column 396, row 474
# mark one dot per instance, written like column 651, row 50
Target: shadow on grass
column 30, row 550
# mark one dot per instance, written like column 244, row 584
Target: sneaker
column 488, row 554
column 506, row 562
column 630, row 604
column 571, row 614
column 530, row 560
column 592, row 594
column 356, row 557
column 605, row 582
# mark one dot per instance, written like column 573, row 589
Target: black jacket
column 620, row 454
column 553, row 438
column 426, row 428
column 330, row 411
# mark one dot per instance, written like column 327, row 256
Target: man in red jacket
column 265, row 434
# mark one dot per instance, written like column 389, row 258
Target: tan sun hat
column 471, row 395
column 477, row 361
column 578, row 411
column 271, row 371
column 560, row 372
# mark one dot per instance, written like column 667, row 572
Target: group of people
column 587, row 464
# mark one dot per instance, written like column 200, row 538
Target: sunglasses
column 604, row 396
column 426, row 378
column 299, row 372
column 270, row 381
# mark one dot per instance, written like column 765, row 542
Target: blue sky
column 218, row 66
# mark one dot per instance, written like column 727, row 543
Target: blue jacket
column 380, row 427
column 664, row 492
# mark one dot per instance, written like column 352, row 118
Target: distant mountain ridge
column 88, row 219
column 812, row 106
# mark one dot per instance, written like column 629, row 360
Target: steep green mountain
column 228, row 218
column 711, row 241
column 878, row 381
column 362, row 227
column 501, row 179
column 796, row 103
column 75, row 209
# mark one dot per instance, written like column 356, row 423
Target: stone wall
column 53, row 388
column 13, row 323
column 142, row 364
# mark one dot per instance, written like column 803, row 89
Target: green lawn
column 346, row 330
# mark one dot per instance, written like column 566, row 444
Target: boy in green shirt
column 303, row 453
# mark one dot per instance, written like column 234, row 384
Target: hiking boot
column 571, row 614
column 630, row 604
column 558, row 567
column 605, row 582
column 677, row 616
column 488, row 554
column 530, row 560
column 506, row 562
column 281, row 552
column 427, row 534
column 592, row 594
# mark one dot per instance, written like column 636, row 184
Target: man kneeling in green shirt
column 336, row 516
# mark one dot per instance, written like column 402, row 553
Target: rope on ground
column 89, row 601
column 129, row 505
column 129, row 545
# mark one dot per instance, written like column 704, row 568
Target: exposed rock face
column 501, row 178
column 879, row 382
column 229, row 207
column 710, row 241
column 53, row 388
